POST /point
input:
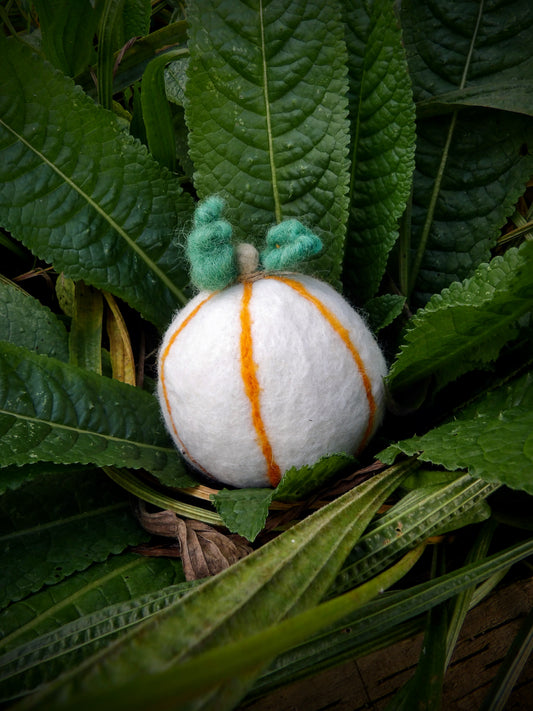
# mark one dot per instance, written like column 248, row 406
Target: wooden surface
column 370, row 682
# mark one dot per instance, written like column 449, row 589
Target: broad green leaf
column 266, row 108
column 383, row 140
column 382, row 310
column 297, row 483
column 118, row 579
column 55, row 412
column 471, row 166
column 67, row 29
column 285, row 576
column 244, row 511
column 13, row 477
column 378, row 619
column 25, row 322
column 508, row 95
column 54, row 629
column 136, row 18
column 466, row 326
column 52, row 528
column 81, row 194
column 492, row 438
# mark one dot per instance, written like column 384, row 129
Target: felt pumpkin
column 274, row 370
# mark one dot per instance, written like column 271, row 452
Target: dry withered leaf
column 204, row 550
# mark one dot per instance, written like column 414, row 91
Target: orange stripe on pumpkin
column 342, row 331
column 252, row 387
column 164, row 356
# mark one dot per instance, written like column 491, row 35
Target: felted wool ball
column 270, row 373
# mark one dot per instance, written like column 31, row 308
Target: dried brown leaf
column 204, row 550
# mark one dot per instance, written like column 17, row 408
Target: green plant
column 287, row 109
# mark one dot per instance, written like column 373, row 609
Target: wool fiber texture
column 269, row 374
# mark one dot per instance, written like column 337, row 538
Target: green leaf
column 13, row 477
column 81, row 194
column 52, row 528
column 378, row 619
column 112, row 595
column 513, row 94
column 25, row 322
column 85, row 336
column 283, row 577
column 67, row 29
column 382, row 310
column 244, row 511
column 156, row 110
column 425, row 512
column 266, row 110
column 492, row 438
column 108, row 39
column 59, row 413
column 297, row 483
column 466, row 326
column 471, row 166
column 136, row 18
column 383, row 140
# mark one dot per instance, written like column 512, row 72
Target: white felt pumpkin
column 267, row 374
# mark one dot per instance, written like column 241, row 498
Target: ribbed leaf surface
column 466, row 326
column 55, row 412
column 51, row 528
column 267, row 114
column 84, row 609
column 383, row 140
column 492, row 438
column 25, row 322
column 83, row 195
column 471, row 166
column 288, row 574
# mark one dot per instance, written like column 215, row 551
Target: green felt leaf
column 25, row 322
column 266, row 108
column 283, row 577
column 81, row 194
column 492, row 438
column 297, row 483
column 466, row 326
column 78, row 615
column 470, row 166
column 52, row 411
column 67, row 30
column 51, row 528
column 383, row 141
column 244, row 511
column 382, row 310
